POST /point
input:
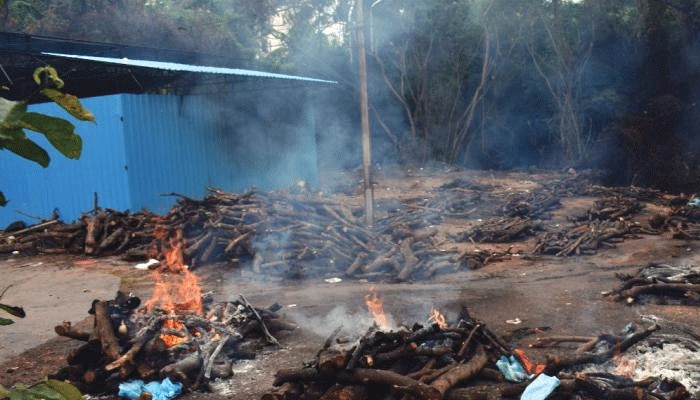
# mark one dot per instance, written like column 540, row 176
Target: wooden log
column 184, row 369
column 397, row 382
column 92, row 228
column 332, row 360
column 381, row 260
column 125, row 364
column 197, row 243
column 343, row 392
column 105, row 332
column 286, row 391
column 283, row 376
column 461, row 372
column 67, row 330
column 234, row 243
column 659, row 288
column 410, row 259
column 356, row 264
column 399, row 352
column 111, row 239
column 208, row 252
column 554, row 340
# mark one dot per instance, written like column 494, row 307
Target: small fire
column 179, row 292
column 376, row 308
column 171, row 339
column 436, row 317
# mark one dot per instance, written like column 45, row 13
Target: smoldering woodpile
column 276, row 234
column 459, row 362
column 660, row 284
column 128, row 342
column 294, row 235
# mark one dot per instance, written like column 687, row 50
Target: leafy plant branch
column 15, row 119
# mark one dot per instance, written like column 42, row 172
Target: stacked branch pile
column 300, row 234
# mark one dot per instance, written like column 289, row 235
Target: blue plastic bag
column 164, row 390
column 511, row 369
column 540, row 388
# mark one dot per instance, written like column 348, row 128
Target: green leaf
column 3, row 322
column 51, row 389
column 12, row 310
column 59, row 132
column 4, row 393
column 23, row 147
column 67, row 390
column 11, row 111
column 40, row 391
column 69, row 103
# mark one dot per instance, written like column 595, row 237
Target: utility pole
column 364, row 113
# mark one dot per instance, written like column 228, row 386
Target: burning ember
column 436, row 317
column 376, row 308
column 173, row 339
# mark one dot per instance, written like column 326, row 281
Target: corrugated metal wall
column 144, row 146
column 167, row 141
column 69, row 185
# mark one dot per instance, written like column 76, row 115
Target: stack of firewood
column 295, row 235
column 276, row 234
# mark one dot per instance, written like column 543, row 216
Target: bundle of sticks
column 499, row 230
column 127, row 342
column 585, row 238
column 452, row 362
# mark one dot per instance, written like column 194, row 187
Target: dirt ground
column 562, row 293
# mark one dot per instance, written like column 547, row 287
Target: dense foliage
column 484, row 83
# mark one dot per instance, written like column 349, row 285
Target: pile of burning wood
column 190, row 340
column 465, row 360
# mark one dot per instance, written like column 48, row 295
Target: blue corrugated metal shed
column 146, row 145
column 143, row 146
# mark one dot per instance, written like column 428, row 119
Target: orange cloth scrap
column 528, row 365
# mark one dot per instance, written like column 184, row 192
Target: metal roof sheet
column 172, row 66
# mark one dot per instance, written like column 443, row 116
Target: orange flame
column 170, row 339
column 436, row 317
column 180, row 292
column 176, row 293
column 376, row 308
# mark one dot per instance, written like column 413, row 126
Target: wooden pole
column 364, row 113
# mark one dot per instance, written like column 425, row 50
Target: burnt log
column 461, row 372
column 396, row 382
